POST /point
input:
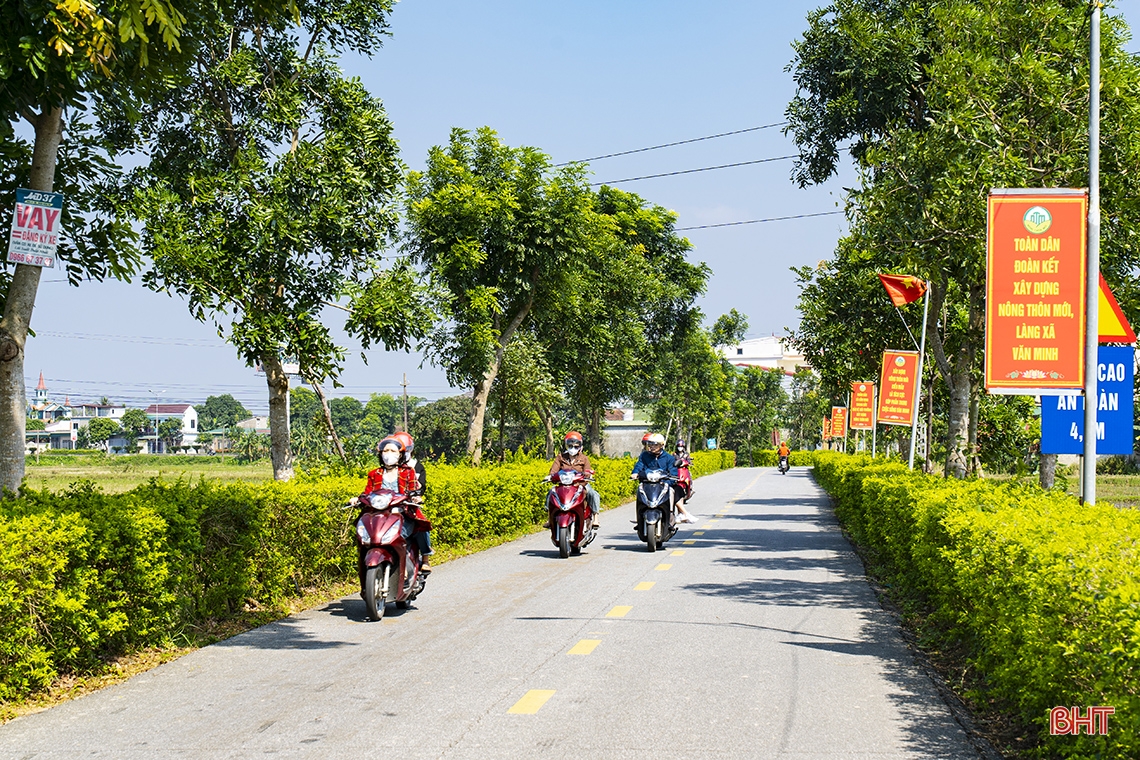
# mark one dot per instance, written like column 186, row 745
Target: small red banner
column 839, row 421
column 862, row 406
column 898, row 382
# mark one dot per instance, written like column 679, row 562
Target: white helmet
column 657, row 439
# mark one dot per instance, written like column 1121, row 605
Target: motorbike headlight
column 566, row 477
column 381, row 500
column 362, row 531
column 389, row 535
column 654, row 476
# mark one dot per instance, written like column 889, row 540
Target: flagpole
column 1092, row 301
column 918, row 379
column 875, row 421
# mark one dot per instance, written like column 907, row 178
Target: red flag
column 903, row 288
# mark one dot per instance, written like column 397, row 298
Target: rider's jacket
column 406, row 483
column 650, row 461
column 579, row 463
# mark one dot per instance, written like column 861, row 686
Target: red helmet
column 573, row 435
column 391, row 442
column 407, row 440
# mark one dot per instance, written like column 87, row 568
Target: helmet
column 656, row 440
column 645, row 438
column 572, row 439
column 388, row 444
column 680, row 444
column 407, row 440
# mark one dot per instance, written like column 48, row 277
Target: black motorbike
column 656, row 508
column 783, row 465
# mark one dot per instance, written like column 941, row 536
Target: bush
column 767, row 458
column 1043, row 594
column 86, row 576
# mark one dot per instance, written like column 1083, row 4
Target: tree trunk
column 547, row 418
column 957, row 374
column 18, row 314
column 595, row 432
column 482, row 390
column 1048, row 470
column 327, row 414
column 279, row 451
column 975, row 460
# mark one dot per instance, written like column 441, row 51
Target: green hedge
column 767, row 458
column 86, row 576
column 1043, row 594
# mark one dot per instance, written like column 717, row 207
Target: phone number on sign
column 29, row 258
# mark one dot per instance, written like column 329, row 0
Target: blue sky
column 575, row 80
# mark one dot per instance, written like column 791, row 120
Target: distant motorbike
column 783, row 465
column 656, row 508
column 392, row 564
column 571, row 522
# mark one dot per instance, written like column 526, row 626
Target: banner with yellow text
column 862, row 406
column 897, row 382
column 839, row 421
column 1036, row 290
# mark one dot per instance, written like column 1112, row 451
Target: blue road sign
column 1063, row 417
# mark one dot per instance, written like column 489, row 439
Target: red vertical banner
column 897, row 382
column 862, row 406
column 1035, row 290
column 827, row 428
column 839, row 421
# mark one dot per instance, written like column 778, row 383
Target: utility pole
column 1092, row 284
column 405, row 384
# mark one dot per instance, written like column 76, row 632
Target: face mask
column 390, row 458
column 573, row 450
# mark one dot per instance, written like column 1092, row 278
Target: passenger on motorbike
column 422, row 537
column 394, row 474
column 655, row 457
column 684, row 460
column 573, row 458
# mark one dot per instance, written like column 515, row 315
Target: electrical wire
column 694, row 171
column 672, row 144
column 757, row 221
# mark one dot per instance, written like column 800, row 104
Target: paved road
column 753, row 634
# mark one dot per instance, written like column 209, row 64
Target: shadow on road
column 353, row 609
column 284, row 634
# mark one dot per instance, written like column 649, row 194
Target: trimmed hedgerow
column 87, row 576
column 1042, row 593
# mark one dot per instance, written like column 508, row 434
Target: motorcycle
column 783, row 466
column 656, row 508
column 391, row 565
column 571, row 522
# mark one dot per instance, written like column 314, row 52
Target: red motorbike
column 391, row 564
column 571, row 522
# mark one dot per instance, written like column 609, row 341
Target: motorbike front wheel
column 564, row 542
column 651, row 537
column 374, row 597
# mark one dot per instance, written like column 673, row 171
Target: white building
column 184, row 412
column 769, row 352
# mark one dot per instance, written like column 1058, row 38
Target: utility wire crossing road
column 753, row 634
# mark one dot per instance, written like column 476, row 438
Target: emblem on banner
column 1037, row 220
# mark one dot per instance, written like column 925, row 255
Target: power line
column 672, row 144
column 757, row 221
column 693, row 171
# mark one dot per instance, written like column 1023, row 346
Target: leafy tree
column 805, row 410
column 729, row 329
column 347, row 413
column 271, row 189
column 134, row 423
column 221, row 412
column 382, row 415
column 304, row 408
column 940, row 101
column 73, row 57
column 525, row 393
column 499, row 232
column 440, row 428
column 100, row 430
column 248, row 445
column 33, row 424
column 757, row 399
column 170, row 432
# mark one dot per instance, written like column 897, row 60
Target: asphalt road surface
column 753, row 634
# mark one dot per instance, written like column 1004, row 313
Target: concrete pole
column 1088, row 461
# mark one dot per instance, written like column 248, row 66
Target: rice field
column 116, row 474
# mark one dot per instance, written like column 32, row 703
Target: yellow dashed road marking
column 690, row 542
column 644, row 586
column 585, row 646
column 619, row 611
column 532, row 702
column 664, row 566
column 699, row 533
column 678, row 552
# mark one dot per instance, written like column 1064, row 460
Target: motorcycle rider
column 783, row 452
column 685, row 460
column 572, row 457
column 422, row 537
column 391, row 475
column 655, row 457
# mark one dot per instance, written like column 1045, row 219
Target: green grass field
column 115, row 474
